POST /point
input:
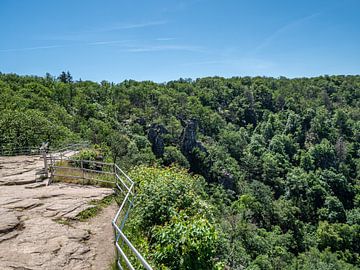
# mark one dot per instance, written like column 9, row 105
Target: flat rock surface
column 33, row 233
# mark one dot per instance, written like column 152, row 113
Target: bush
column 162, row 193
column 173, row 156
column 171, row 212
column 87, row 155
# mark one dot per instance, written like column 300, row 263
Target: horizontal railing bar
column 100, row 172
column 99, row 180
column 81, row 177
column 134, row 250
column 20, row 151
column 118, row 264
column 121, row 207
column 81, row 169
column 10, row 151
column 67, row 176
column 127, row 177
column 119, row 178
column 20, row 154
column 128, row 263
column 66, row 167
column 117, row 185
column 56, row 158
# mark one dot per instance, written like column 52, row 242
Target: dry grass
column 68, row 173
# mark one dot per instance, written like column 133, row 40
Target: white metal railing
column 93, row 172
column 53, row 162
column 14, row 150
column 120, row 219
column 121, row 182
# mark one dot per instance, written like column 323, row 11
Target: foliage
column 95, row 209
column 85, row 157
column 170, row 209
column 279, row 161
column 173, row 155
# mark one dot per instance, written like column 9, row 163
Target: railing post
column 82, row 171
column 114, row 171
column 45, row 164
column 44, row 154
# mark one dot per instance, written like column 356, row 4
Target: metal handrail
column 119, row 234
column 70, row 147
column 121, row 181
column 19, row 151
column 125, row 185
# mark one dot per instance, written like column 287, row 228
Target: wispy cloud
column 88, row 33
column 278, row 32
column 32, row 48
column 97, row 43
column 151, row 48
column 122, row 45
column 165, row 39
column 109, row 42
column 122, row 26
column 138, row 25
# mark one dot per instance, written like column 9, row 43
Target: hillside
column 268, row 168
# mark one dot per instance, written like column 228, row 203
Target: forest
column 232, row 173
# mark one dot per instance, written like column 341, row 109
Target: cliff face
column 198, row 157
column 193, row 150
column 155, row 137
column 188, row 138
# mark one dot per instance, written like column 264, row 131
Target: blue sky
column 164, row 40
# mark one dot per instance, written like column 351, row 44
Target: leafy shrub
column 171, row 212
column 173, row 156
column 87, row 155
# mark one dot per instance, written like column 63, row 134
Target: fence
column 60, row 164
column 86, row 171
column 15, row 150
column 126, row 186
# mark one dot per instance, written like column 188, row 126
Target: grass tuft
column 97, row 206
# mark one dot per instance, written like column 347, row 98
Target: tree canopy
column 241, row 173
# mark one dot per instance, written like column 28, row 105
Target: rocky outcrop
column 38, row 226
column 227, row 180
column 155, row 133
column 197, row 156
column 188, row 140
column 141, row 121
column 193, row 150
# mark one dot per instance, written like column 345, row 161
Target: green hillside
column 244, row 173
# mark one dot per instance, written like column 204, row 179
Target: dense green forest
column 237, row 173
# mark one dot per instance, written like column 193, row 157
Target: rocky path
column 37, row 230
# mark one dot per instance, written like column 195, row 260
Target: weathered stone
column 8, row 221
column 24, row 204
column 9, row 235
column 188, row 139
column 37, row 184
column 189, row 144
column 155, row 137
column 31, row 234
